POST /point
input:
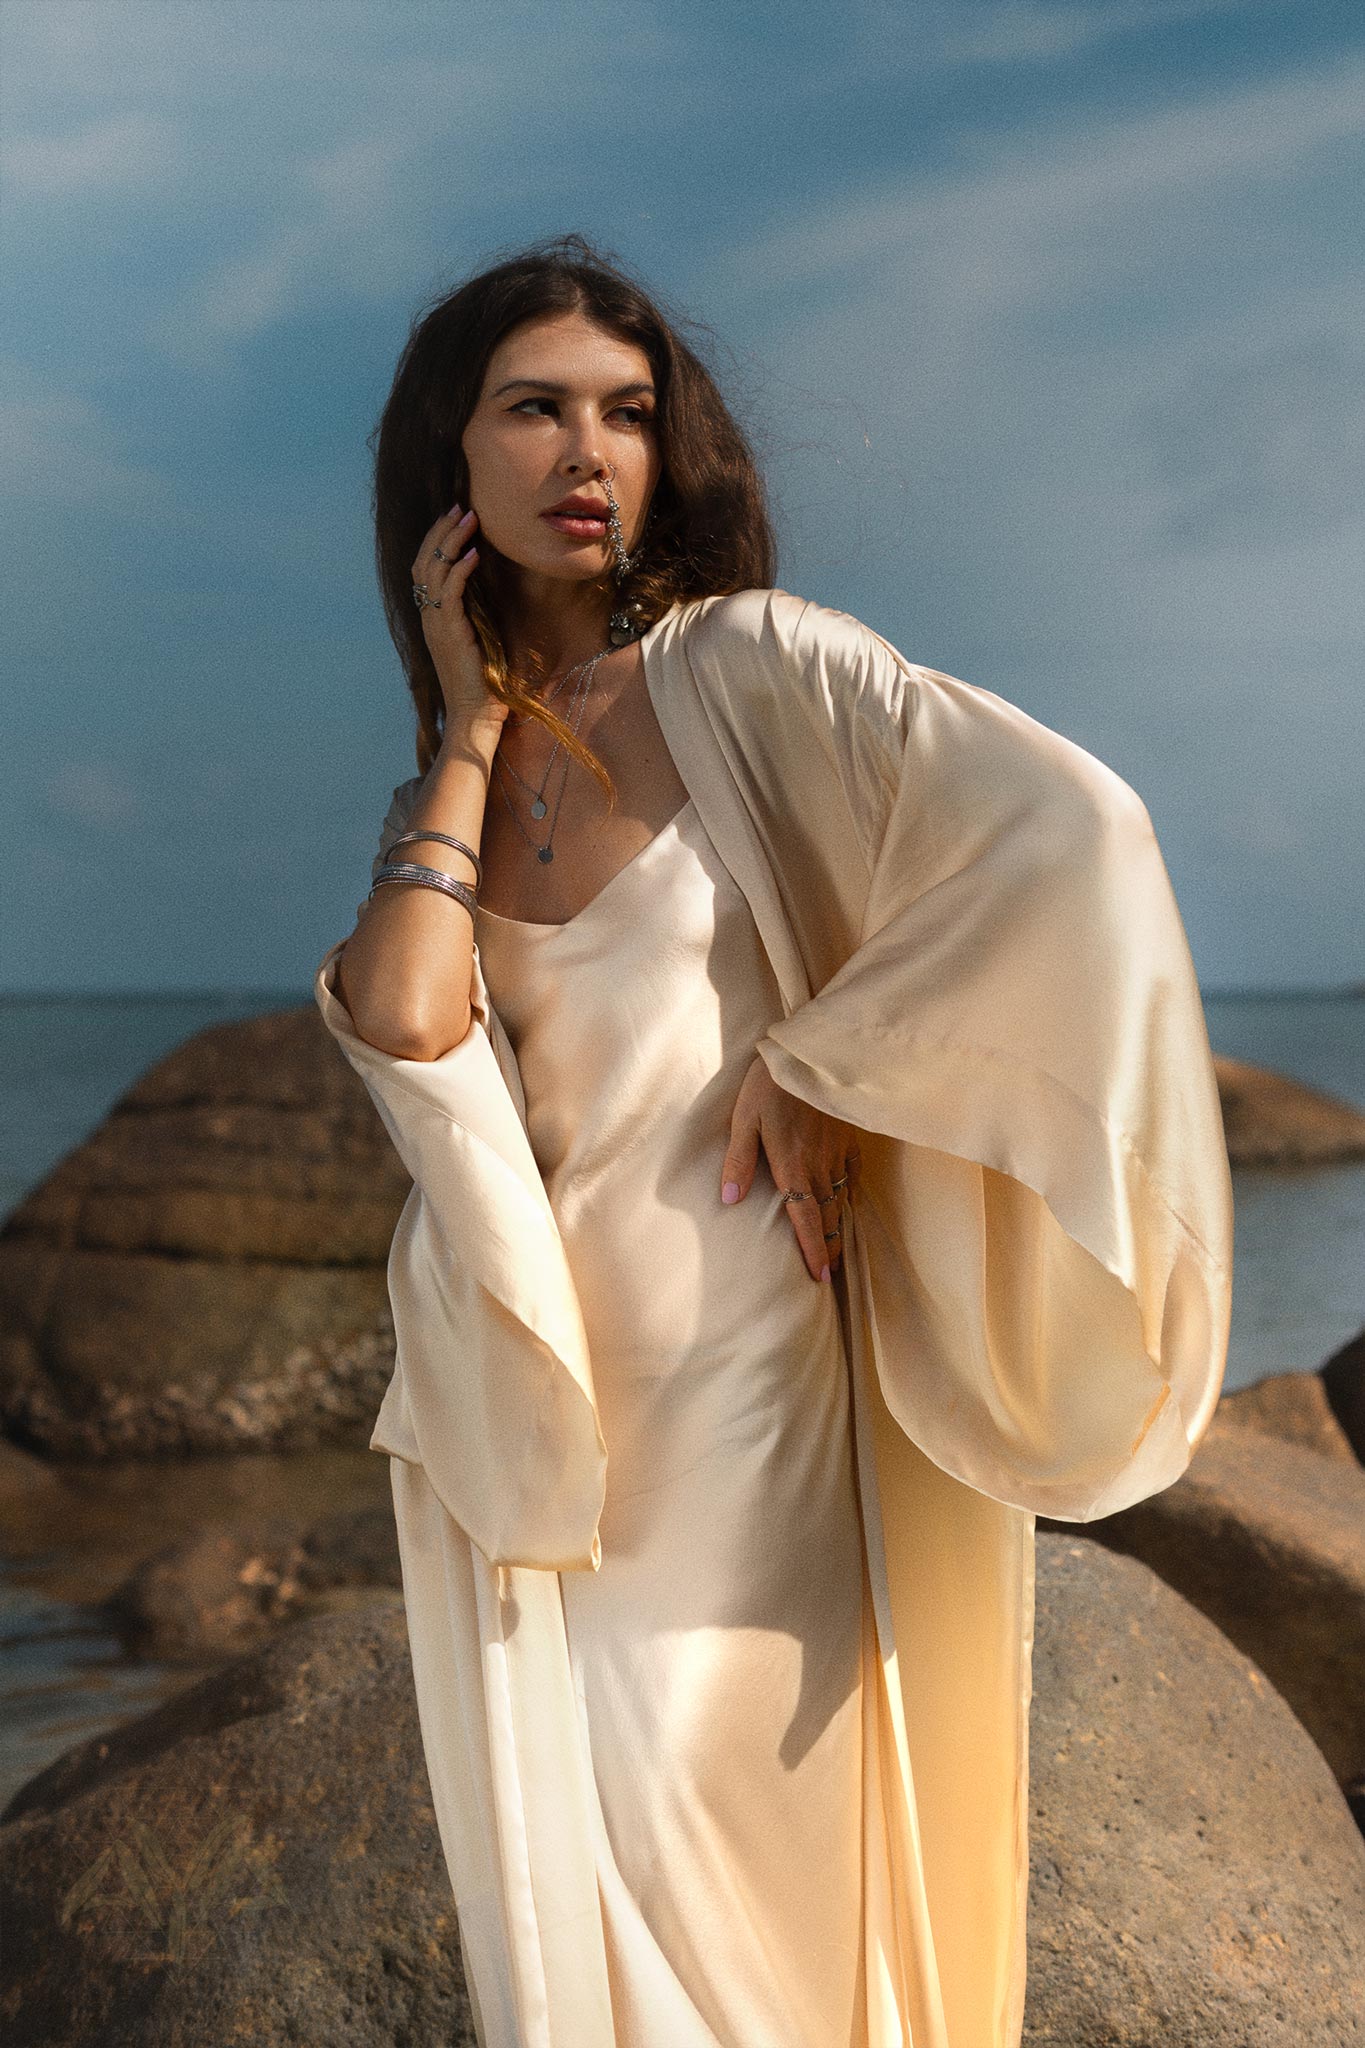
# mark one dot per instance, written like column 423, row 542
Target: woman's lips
column 577, row 523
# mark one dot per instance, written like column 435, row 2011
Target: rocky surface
column 1343, row 1380
column 1294, row 1407
column 1196, row 1878
column 227, row 1589
column 207, row 1270
column 30, row 1490
column 256, row 1861
column 1270, row 1120
column 1267, row 1538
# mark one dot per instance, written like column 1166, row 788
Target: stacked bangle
column 431, row 878
column 426, row 878
column 404, row 838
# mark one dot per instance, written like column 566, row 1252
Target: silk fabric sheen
column 981, row 965
column 719, row 1652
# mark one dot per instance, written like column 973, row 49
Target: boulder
column 228, row 1588
column 1267, row 1539
column 32, row 1492
column 1196, row 1878
column 1292, row 1406
column 207, row 1271
column 1270, row 1120
column 1343, row 1380
column 256, row 1860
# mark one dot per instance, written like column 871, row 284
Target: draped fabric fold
column 982, row 969
column 1021, row 1015
column 494, row 1397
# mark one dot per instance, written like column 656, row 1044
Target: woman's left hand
column 807, row 1151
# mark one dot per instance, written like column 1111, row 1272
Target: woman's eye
column 638, row 414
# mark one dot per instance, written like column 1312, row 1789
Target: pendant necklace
column 520, row 717
column 545, row 853
column 538, row 805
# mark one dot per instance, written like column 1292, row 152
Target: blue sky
column 1045, row 321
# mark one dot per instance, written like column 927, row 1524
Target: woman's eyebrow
column 561, row 390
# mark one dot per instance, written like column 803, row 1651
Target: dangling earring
column 627, row 622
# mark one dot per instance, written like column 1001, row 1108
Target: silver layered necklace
column 585, row 671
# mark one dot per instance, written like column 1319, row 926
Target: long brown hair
column 710, row 531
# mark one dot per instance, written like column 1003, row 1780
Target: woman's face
column 562, row 400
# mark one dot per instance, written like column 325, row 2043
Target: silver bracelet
column 426, row 878
column 445, row 840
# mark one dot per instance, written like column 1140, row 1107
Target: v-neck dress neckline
column 534, row 925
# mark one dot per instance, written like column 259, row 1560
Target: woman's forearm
column 406, row 971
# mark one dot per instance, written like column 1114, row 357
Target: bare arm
column 406, row 972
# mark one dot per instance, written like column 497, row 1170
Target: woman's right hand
column 450, row 637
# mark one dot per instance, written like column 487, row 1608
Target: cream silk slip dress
column 688, row 1791
column 724, row 1654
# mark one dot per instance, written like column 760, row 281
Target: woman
column 818, row 1171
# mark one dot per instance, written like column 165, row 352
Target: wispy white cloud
column 344, row 222
column 89, row 790
column 62, row 448
column 998, row 32
column 1260, row 445
column 1005, row 230
column 110, row 159
column 362, row 152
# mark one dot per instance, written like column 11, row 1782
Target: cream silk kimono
column 984, row 970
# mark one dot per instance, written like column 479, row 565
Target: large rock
column 1197, row 1880
column 1270, row 1120
column 1343, row 1380
column 256, row 1861
column 207, row 1271
column 32, row 1492
column 226, row 1590
column 1293, row 1406
column 1267, row 1539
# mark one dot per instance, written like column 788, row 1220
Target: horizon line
column 1349, row 991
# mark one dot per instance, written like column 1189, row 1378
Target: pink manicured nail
column 730, row 1192
column 824, row 1272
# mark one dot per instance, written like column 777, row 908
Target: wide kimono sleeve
column 492, row 1391
column 1046, row 1203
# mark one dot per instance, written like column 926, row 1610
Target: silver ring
column 441, row 556
column 795, row 1195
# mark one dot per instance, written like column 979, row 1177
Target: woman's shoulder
column 867, row 701
column 788, row 642
column 771, row 613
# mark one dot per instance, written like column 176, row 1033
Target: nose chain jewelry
column 579, row 699
column 627, row 621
